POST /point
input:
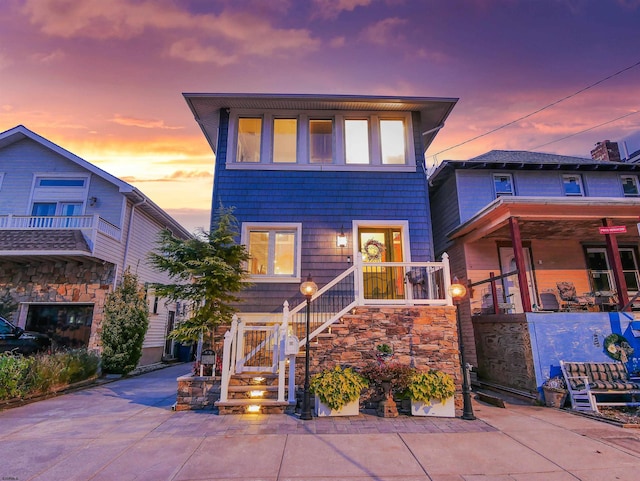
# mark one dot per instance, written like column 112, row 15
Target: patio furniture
column 591, row 383
column 570, row 299
column 549, row 302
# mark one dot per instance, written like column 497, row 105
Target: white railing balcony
column 91, row 224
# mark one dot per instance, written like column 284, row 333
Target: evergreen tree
column 207, row 270
column 126, row 319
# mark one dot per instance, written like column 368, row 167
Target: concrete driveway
column 126, row 430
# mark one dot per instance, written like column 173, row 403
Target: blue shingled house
column 332, row 186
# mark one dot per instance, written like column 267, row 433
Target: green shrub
column 28, row 376
column 14, row 370
column 126, row 319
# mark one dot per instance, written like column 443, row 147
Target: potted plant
column 555, row 392
column 431, row 394
column 387, row 381
column 337, row 391
column 384, row 352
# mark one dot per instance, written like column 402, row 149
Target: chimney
column 606, row 151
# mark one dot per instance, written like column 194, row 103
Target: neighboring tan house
column 68, row 230
column 335, row 187
column 549, row 246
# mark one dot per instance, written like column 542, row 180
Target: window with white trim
column 314, row 140
column 249, row 139
column 274, row 251
column 285, row 140
column 572, row 185
column 629, row 185
column 503, row 184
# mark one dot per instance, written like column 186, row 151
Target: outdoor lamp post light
column 458, row 291
column 308, row 289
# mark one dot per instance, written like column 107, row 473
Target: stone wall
column 505, row 357
column 424, row 337
column 197, row 392
column 59, row 281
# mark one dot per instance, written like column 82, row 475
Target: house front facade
column 535, row 234
column 68, row 230
column 334, row 187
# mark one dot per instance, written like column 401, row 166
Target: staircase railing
column 407, row 283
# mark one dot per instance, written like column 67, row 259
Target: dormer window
column 572, row 185
column 356, row 140
column 393, row 143
column 503, row 184
column 320, row 141
column 285, row 140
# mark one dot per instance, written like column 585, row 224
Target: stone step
column 244, row 392
column 265, row 406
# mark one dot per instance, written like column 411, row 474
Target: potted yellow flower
column 431, row 394
column 337, row 391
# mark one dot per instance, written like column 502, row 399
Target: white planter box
column 351, row 409
column 446, row 409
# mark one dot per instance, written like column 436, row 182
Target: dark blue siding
column 322, row 202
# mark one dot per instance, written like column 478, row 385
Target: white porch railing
column 89, row 224
column 258, row 346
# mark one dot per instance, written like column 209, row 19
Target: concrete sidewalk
column 126, row 430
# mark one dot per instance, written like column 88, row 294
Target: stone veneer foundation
column 424, row 337
column 59, row 282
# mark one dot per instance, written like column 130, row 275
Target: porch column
column 518, row 253
column 616, row 265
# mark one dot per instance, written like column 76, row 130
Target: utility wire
column 587, row 130
column 552, row 104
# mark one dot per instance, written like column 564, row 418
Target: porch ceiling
column 552, row 219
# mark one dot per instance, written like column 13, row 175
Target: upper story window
column 503, row 184
column 274, row 251
column 393, row 142
column 572, row 184
column 630, row 185
column 61, row 182
column 249, row 139
column 320, row 140
column 356, row 141
column 59, row 195
column 285, row 140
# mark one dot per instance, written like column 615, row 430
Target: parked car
column 16, row 339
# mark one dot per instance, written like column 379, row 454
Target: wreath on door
column 373, row 250
column 617, row 347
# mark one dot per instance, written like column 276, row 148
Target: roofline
column 328, row 98
column 506, row 201
column 131, row 192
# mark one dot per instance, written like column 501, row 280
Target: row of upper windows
column 571, row 185
column 320, row 140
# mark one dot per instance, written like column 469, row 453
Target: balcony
column 20, row 235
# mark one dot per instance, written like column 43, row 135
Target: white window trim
column 1, row 179
column 403, row 225
column 247, row 227
column 505, row 174
column 577, row 176
column 58, row 194
column 634, row 178
column 338, row 117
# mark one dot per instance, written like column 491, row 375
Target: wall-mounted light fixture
column 93, row 201
column 341, row 238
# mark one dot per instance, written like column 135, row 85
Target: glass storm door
column 381, row 245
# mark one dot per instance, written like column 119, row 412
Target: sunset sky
column 104, row 79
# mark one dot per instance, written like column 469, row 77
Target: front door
column 512, row 289
column 377, row 245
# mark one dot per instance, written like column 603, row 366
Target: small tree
column 126, row 319
column 208, row 270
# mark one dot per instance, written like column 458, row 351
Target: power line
column 552, row 104
column 587, row 130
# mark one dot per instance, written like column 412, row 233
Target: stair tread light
column 341, row 238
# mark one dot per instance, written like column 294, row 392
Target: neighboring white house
column 68, row 230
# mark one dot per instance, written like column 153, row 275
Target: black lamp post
column 308, row 289
column 457, row 292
